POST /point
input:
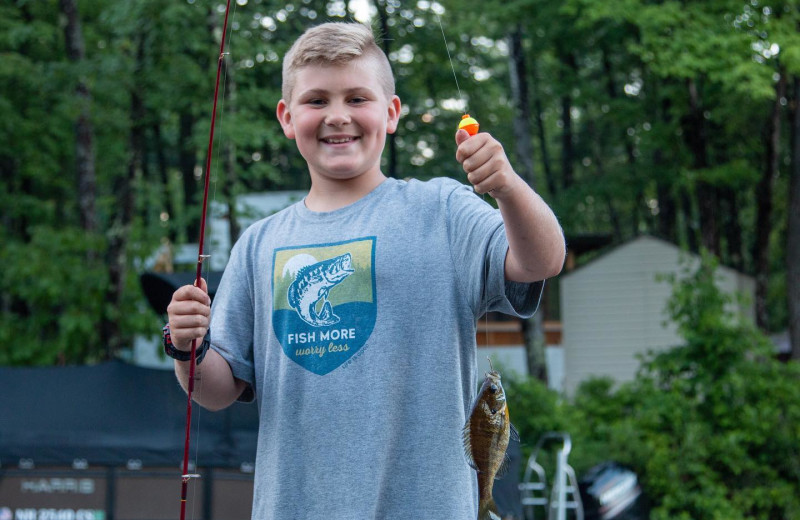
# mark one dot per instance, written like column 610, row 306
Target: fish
column 312, row 285
column 486, row 435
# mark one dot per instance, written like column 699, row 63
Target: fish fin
column 514, row 436
column 503, row 469
column 487, row 510
column 326, row 312
column 326, row 315
column 467, row 437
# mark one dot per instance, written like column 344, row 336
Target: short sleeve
column 479, row 246
column 232, row 317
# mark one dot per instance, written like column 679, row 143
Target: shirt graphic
column 324, row 303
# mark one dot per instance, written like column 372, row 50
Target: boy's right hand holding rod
column 189, row 315
column 536, row 243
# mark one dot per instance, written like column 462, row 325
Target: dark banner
column 119, row 494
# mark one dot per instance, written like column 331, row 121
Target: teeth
column 339, row 141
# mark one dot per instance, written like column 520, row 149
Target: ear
column 393, row 115
column 285, row 119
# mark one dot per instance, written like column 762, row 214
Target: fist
column 189, row 314
column 485, row 163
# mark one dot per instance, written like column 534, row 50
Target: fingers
column 189, row 320
column 192, row 293
column 492, row 182
column 189, row 314
column 485, row 163
column 461, row 136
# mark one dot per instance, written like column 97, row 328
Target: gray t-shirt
column 356, row 331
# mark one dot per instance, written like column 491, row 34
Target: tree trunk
column 119, row 232
column 667, row 221
column 599, row 168
column 187, row 159
column 696, row 136
column 518, row 77
column 691, row 226
column 541, row 136
column 533, row 336
column 84, row 135
column 793, row 234
column 533, row 327
column 764, row 204
column 163, row 179
column 731, row 228
column 567, row 172
column 231, row 179
column 666, row 224
column 636, row 214
column 567, row 138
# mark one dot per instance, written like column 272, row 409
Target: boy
column 351, row 315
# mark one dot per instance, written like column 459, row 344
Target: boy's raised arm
column 535, row 239
column 189, row 313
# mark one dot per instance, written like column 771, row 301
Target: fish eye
column 493, row 388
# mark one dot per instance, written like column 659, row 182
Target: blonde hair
column 335, row 43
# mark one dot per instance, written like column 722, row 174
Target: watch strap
column 183, row 355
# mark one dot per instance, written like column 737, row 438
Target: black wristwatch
column 182, row 355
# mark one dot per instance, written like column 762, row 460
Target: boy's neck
column 327, row 195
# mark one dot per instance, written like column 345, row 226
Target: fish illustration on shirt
column 313, row 283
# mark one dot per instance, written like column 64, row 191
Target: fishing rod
column 201, row 257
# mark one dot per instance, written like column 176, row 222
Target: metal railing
column 564, row 495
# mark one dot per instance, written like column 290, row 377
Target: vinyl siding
column 614, row 309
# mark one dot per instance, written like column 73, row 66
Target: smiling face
column 339, row 116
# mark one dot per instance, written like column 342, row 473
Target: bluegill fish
column 486, row 436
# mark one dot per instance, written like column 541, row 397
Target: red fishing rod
column 201, row 256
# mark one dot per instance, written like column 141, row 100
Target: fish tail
column 487, row 510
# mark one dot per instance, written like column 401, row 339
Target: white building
column 613, row 308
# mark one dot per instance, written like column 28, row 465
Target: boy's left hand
column 485, row 163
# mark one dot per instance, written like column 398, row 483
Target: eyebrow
column 322, row 91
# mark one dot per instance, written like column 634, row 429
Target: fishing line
column 450, row 59
column 471, row 126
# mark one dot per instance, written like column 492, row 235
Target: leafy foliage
column 613, row 88
column 52, row 318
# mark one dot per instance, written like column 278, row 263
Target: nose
column 337, row 115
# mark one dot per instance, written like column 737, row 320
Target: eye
column 357, row 100
column 493, row 388
column 316, row 102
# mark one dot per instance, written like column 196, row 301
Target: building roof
column 616, row 248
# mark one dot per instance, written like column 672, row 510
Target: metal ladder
column 564, row 493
